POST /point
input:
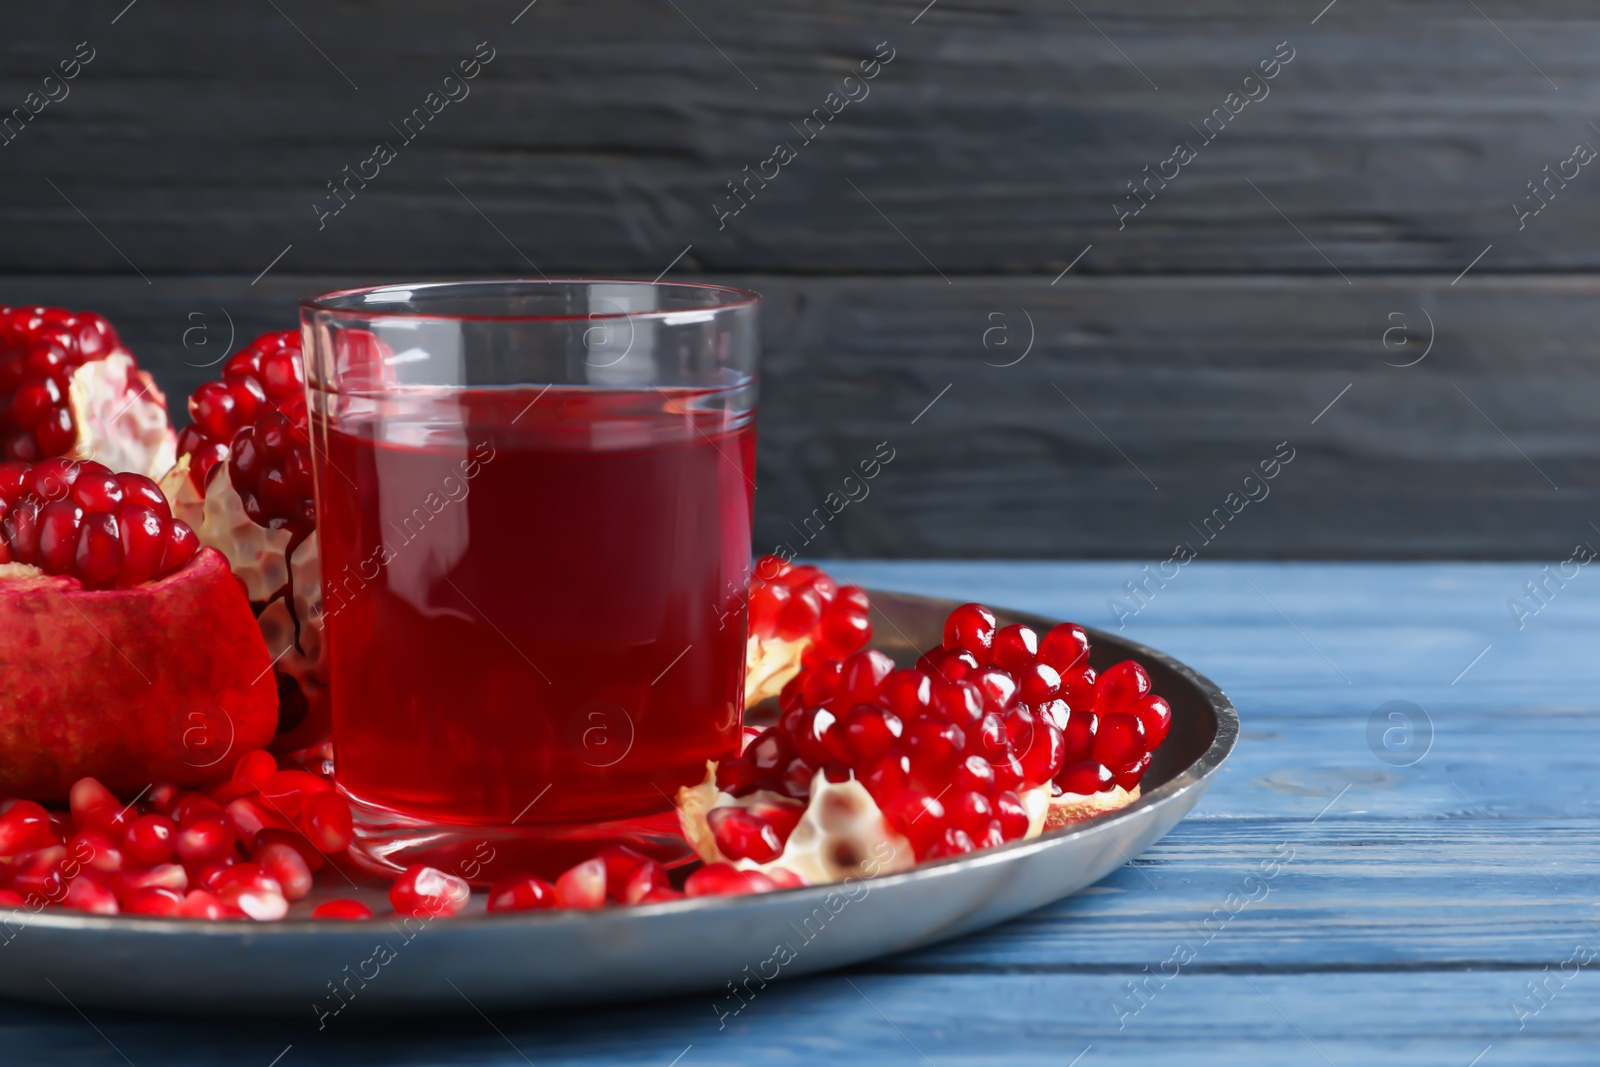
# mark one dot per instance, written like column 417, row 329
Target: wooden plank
column 998, row 139
column 1187, row 382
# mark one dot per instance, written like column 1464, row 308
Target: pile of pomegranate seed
column 242, row 849
column 791, row 603
column 39, row 349
column 617, row 875
column 257, row 414
column 947, row 748
column 79, row 519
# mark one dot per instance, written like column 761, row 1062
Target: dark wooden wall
column 916, row 246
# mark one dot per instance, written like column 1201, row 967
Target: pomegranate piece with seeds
column 68, row 388
column 993, row 736
column 127, row 652
column 798, row 613
column 243, row 482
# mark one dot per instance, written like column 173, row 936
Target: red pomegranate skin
column 165, row 682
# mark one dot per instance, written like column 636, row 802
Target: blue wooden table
column 1431, row 896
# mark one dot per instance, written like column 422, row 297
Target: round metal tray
column 537, row 959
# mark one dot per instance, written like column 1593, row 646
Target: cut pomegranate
column 68, row 388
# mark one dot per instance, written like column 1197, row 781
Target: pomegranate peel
column 91, row 684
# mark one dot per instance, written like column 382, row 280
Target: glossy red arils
column 843, row 628
column 818, row 738
column 150, row 839
column 952, row 842
column 906, row 692
column 285, row 864
column 1121, row 687
column 974, row 773
column 970, row 810
column 960, row 702
column 78, row 519
column 887, row 775
column 935, row 748
column 287, row 836
column 24, row 826
column 167, row 876
column 1015, row 647
column 1078, row 736
column 1129, row 777
column 740, row 835
column 861, row 674
column 1085, row 777
column 952, row 663
column 205, row 838
column 998, row 687
column 916, row 816
column 1120, row 740
column 342, row 909
column 770, row 752
column 870, row 732
column 428, row 891
column 95, row 849
column 248, row 887
column 800, row 614
column 990, row 740
column 264, row 378
column 1065, row 647
column 284, row 792
column 254, row 768
column 649, row 880
column 1039, row 682
column 85, row 894
column 1156, row 714
column 154, row 902
column 326, row 820
column 970, row 627
column 724, row 880
column 92, row 802
column 521, row 892
column 1013, row 817
column 620, row 863
column 582, row 886
column 40, row 349
column 202, row 904
column 1046, row 754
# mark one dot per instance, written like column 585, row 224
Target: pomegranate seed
column 887, row 776
column 974, row 773
column 620, row 861
column 766, row 604
column 10, row 898
column 199, row 904
column 92, row 802
column 96, row 850
column 1156, row 714
column 917, row 817
column 970, row 627
column 1008, row 772
column 740, row 777
column 326, row 820
column 990, row 739
column 952, row 842
column 205, row 838
column 346, row 909
column 248, row 887
column 935, row 748
column 273, row 835
column 286, row 866
column 1054, row 712
column 38, row 873
column 784, row 878
column 284, row 792
column 583, row 886
column 1039, row 682
column 907, row 693
column 203, row 874
column 156, row 901
column 843, row 629
column 149, row 839
column 960, row 702
column 1045, row 756
column 797, row 779
column 429, row 891
column 861, row 674
column 770, row 752
column 1014, row 648
column 953, row 663
column 726, row 880
column 1120, row 740
column 818, row 739
column 255, row 768
column 870, row 732
column 662, row 895
column 168, row 876
column 647, row 879
column 522, row 892
column 971, row 811
column 1065, row 647
column 1130, row 777
column 1078, row 737
column 1013, row 817
column 998, row 687
column 192, row 806
column 1085, row 778
column 820, row 684
column 740, row 835
column 25, row 826
column 799, row 615
column 85, row 894
column 1121, row 687
column 250, row 818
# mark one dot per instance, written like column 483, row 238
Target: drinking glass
column 534, row 503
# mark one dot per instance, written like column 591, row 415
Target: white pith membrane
column 769, row 665
column 843, row 834
column 19, row 572
column 121, row 417
column 255, row 554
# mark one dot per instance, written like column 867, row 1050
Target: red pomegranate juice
column 531, row 599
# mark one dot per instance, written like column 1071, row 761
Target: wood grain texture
column 1416, row 907
column 1142, row 404
column 998, row 140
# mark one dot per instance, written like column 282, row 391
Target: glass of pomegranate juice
column 534, row 505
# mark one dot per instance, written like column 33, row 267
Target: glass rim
column 330, row 303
